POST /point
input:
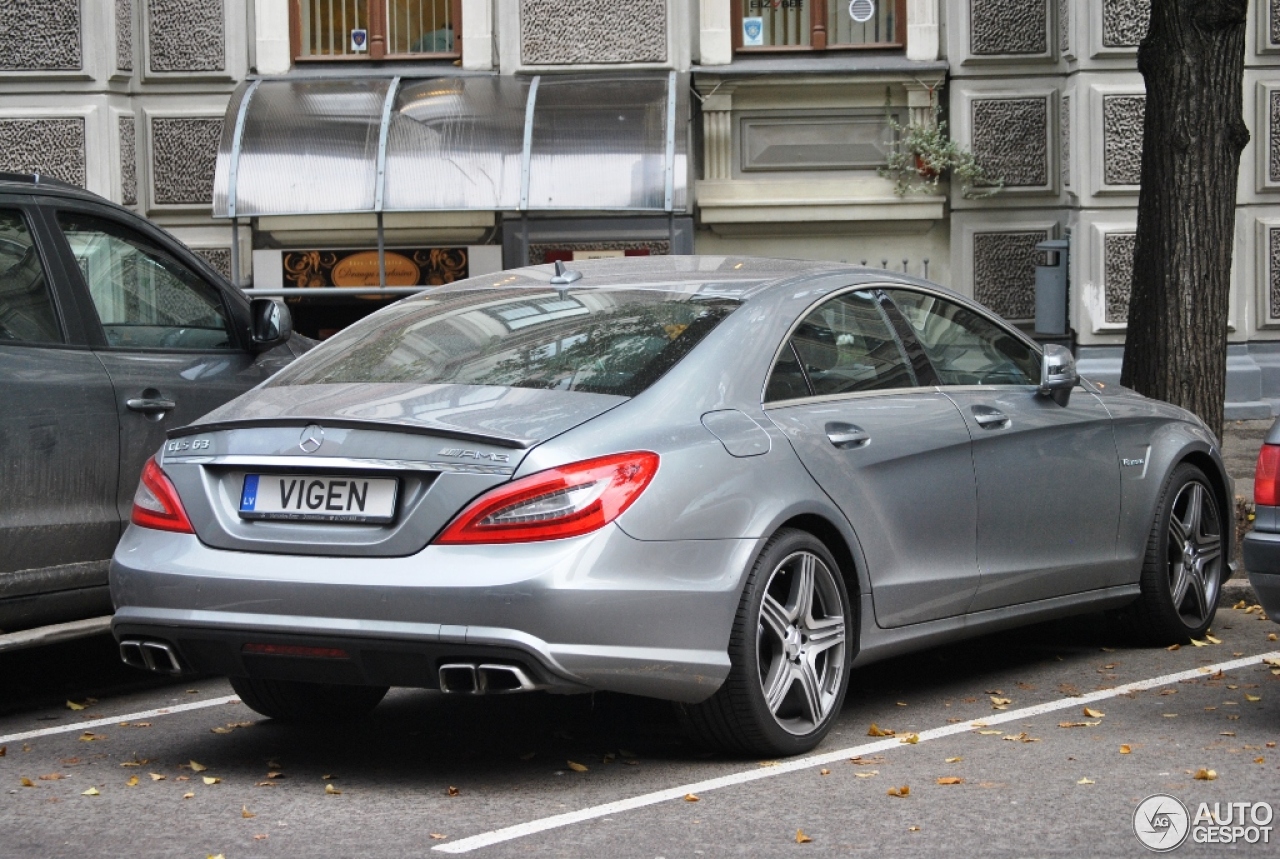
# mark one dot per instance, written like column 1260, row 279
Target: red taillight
column 156, row 504
column 1264, row 477
column 560, row 502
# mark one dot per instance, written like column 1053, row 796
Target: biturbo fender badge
column 311, row 439
column 461, row 453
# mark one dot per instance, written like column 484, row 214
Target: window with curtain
column 809, row 25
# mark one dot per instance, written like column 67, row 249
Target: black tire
column 294, row 701
column 1160, row 616
column 738, row 718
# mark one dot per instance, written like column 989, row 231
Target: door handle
column 847, row 436
column 989, row 418
column 150, row 405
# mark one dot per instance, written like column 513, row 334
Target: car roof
column 734, row 277
column 36, row 183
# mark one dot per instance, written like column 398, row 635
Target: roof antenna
column 564, row 277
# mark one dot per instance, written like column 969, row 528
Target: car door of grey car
column 1035, row 458
column 893, row 455
column 171, row 345
column 58, row 441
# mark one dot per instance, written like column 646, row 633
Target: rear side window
column 844, row 346
column 964, row 347
column 27, row 314
column 601, row 341
column 145, row 297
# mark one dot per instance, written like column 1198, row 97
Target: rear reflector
column 566, row 501
column 156, row 504
column 295, row 650
column 1264, row 477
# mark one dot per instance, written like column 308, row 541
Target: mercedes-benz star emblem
column 311, row 439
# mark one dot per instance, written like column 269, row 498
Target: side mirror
column 1058, row 373
column 270, row 323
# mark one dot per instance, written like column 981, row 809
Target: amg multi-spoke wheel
column 789, row 654
column 1183, row 570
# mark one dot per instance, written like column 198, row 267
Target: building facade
column 326, row 145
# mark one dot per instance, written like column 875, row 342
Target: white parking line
column 497, row 836
column 127, row 717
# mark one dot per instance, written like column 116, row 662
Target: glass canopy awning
column 601, row 142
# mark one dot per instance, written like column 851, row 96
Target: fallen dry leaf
column 1198, row 643
column 1173, row 647
column 93, row 791
column 913, row 828
column 1253, row 699
column 877, row 731
column 1169, row 692
column 989, row 733
column 1086, row 780
column 438, row 836
column 52, row 777
column 867, row 774
column 1259, row 760
column 261, row 837
column 1271, row 745
column 157, row 776
column 211, row 780
column 188, row 795
column 910, row 739
column 1212, row 639
column 132, row 782
column 954, row 760
column 801, row 838
column 326, row 776
column 951, row 779
column 246, row 813
column 1078, row 724
column 1226, row 733
column 824, row 771
column 3, row 749
column 899, row 791
column 1203, row 774
column 576, row 767
column 26, row 782
column 1271, row 636
column 333, row 791
column 1024, row 737
column 276, row 774
column 89, row 737
column 72, row 705
column 1093, row 714
column 197, row 767
column 1124, row 749
column 690, row 797
column 220, row 730
column 768, row 763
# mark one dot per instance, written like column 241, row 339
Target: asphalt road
column 382, row 787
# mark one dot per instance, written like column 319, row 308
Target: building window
column 818, row 25
column 376, row 29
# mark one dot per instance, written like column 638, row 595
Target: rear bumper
column 1262, row 561
column 603, row 611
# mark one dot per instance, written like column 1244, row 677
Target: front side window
column 819, row 24
column 145, row 298
column 27, row 314
column 844, row 346
column 374, row 29
column 964, row 347
column 602, row 341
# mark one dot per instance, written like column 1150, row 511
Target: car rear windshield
column 600, row 341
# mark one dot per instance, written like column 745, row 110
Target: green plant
column 925, row 153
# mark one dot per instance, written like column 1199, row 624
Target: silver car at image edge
column 720, row 481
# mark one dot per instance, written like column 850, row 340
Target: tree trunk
column 1192, row 61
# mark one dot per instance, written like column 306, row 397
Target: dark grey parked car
column 719, row 481
column 111, row 332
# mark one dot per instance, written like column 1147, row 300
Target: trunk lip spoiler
column 354, row 423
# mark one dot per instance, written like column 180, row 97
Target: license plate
column 318, row 497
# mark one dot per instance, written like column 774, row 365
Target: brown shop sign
column 404, row 266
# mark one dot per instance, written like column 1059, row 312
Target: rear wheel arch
column 830, row 535
column 1206, row 463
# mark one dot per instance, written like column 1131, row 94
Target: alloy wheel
column 800, row 640
column 1194, row 554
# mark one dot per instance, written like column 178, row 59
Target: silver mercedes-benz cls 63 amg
column 719, row 481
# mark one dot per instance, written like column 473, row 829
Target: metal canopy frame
column 230, row 172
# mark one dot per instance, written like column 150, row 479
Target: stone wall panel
column 562, row 32
column 999, row 27
column 1273, row 22
column 219, row 258
column 186, row 36
column 124, row 35
column 1117, row 266
column 40, row 35
column 1273, row 142
column 184, row 152
column 1064, row 135
column 1010, row 139
column 1004, row 275
column 128, row 161
column 51, row 147
column 1125, row 22
column 1273, row 272
column 1122, row 118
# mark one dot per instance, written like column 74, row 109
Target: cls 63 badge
column 182, row 445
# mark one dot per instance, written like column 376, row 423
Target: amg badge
column 460, row 453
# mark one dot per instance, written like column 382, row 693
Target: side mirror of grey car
column 1058, row 373
column 270, row 323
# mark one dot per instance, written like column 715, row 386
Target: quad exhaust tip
column 487, row 679
column 157, row 656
